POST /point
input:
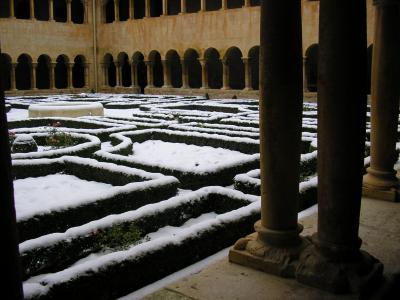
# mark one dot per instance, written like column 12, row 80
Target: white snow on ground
column 42, row 194
column 183, row 156
column 17, row 114
column 116, row 113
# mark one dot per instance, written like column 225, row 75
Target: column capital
column 202, row 61
column 34, row 65
column 246, row 59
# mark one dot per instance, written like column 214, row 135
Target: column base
column 225, row 88
column 381, row 185
column 252, row 252
column 358, row 275
column 248, row 89
column 392, row 194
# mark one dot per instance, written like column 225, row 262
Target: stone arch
column 123, row 10
column 78, row 11
column 111, row 70
column 141, row 70
column 212, row 5
column 125, row 69
column 61, row 72
column 193, row 6
column 156, row 8
column 5, row 69
column 193, row 68
column 43, row 72
column 139, row 7
column 41, row 10
column 175, row 68
column 369, row 67
column 23, row 72
column 109, row 11
column 214, row 68
column 22, row 9
column 254, row 63
column 234, row 4
column 158, row 78
column 311, row 67
column 60, row 10
column 78, row 72
column 173, row 7
column 4, row 8
column 233, row 58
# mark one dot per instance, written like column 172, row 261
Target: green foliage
column 120, row 237
column 58, row 139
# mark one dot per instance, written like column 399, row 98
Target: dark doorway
column 124, row 10
column 110, row 11
column 236, row 68
column 254, row 63
column 312, row 67
column 156, row 8
column 158, row 76
column 42, row 10
column 175, row 68
column 4, row 8
column 193, row 6
column 126, row 70
column 193, row 67
column 213, row 5
column 23, row 72
column 141, row 70
column 77, row 12
column 111, row 70
column 61, row 72
column 235, row 3
column 174, row 7
column 43, row 72
column 78, row 72
column 139, row 9
column 60, row 11
column 22, row 9
column 214, row 68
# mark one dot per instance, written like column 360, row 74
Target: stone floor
column 379, row 230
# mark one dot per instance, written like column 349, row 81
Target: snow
column 43, row 194
column 183, row 156
column 17, row 114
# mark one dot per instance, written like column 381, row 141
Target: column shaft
column 51, row 75
column 12, row 76
column 247, row 3
column 87, row 77
column 131, row 9
column 165, row 7
column 116, row 10
column 225, row 75
column 385, row 95
column 134, row 74
column 247, row 74
column 119, row 74
column 147, row 11
column 51, row 10
column 203, row 5
column 183, row 6
column 32, row 9
column 150, row 82
column 224, row 4
column 105, row 74
column 12, row 11
column 69, row 11
column 185, row 77
column 167, row 74
column 69, row 71
column 204, row 77
column 33, row 76
column 305, row 85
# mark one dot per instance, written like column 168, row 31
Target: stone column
column 87, row 77
column 31, row 9
column 116, row 10
column 204, row 74
column 381, row 181
column 225, row 75
column 203, row 5
column 12, row 11
column 52, row 66
column 276, row 244
column 12, row 77
column 131, row 10
column 150, row 81
column 167, row 74
column 165, row 7
column 33, row 76
column 69, row 11
column 147, row 8
column 51, row 11
column 69, row 75
column 247, row 3
column 118, row 74
column 305, row 85
column 134, row 75
column 183, row 6
column 224, row 4
column 185, row 76
column 104, row 68
column 247, row 74
column 335, row 262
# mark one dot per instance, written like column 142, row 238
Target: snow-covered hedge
column 131, row 189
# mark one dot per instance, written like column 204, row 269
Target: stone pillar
column 305, row 85
column 224, row 4
column 31, row 9
column 118, row 74
column 86, row 11
column 12, row 77
column 185, row 76
column 165, row 7
column 134, row 75
column 167, row 73
column 203, row 5
column 247, row 3
column 12, row 11
column 87, row 77
column 33, row 76
column 150, row 81
column 147, row 8
column 52, row 66
column 381, row 181
column 69, row 75
column 131, row 10
column 334, row 262
column 69, row 11
column 204, row 74
column 276, row 244
column 51, row 10
column 247, row 74
column 183, row 6
column 225, row 75
column 116, row 10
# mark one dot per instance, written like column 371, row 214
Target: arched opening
column 61, row 72
column 141, row 70
column 109, row 11
column 255, row 2
column 175, row 68
column 43, row 72
column 214, row 68
column 126, row 78
column 254, row 63
column 174, row 7
column 5, row 69
column 111, row 70
column 42, row 10
column 78, row 72
column 235, row 4
column 213, row 5
column 77, row 12
column 158, row 78
column 235, row 68
column 193, row 6
column 139, row 7
column 156, row 8
column 4, row 8
column 312, row 67
column 124, row 10
column 23, row 72
column 22, row 9
column 193, row 68
column 60, row 10
column 369, row 68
